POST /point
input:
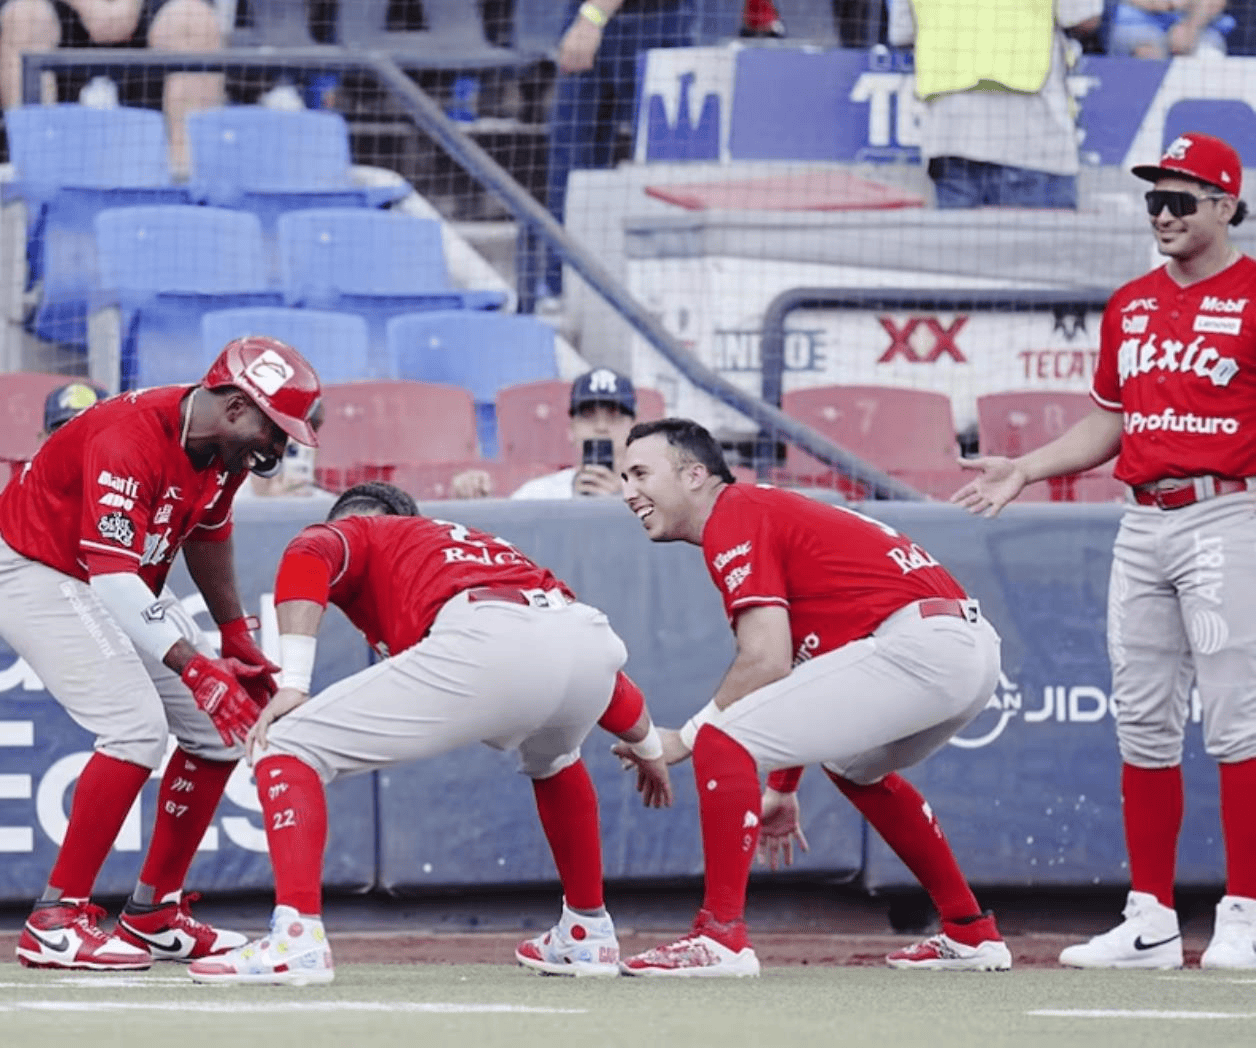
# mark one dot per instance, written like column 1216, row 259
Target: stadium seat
column 482, row 352
column 163, row 268
column 375, row 263
column 1015, row 422
column 452, row 37
column 271, row 161
column 434, row 480
column 72, row 162
column 532, row 420
column 371, row 428
column 907, row 433
column 22, row 395
column 335, row 343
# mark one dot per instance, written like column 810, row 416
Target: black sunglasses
column 1179, row 202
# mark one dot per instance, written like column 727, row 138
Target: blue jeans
column 959, row 182
column 590, row 107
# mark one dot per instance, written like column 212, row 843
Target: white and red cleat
column 942, row 953
column 66, row 934
column 710, row 950
column 576, row 945
column 170, row 933
column 295, row 953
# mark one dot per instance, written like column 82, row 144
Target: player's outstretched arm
column 780, row 825
column 640, row 745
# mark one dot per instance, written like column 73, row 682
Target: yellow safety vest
column 960, row 43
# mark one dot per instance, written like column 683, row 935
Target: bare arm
column 1090, row 442
column 212, row 567
column 763, row 656
column 579, row 44
column 297, row 619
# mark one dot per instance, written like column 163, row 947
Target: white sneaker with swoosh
column 1233, row 942
column 1149, row 937
column 66, row 934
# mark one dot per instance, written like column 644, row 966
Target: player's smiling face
column 1190, row 235
column 654, row 489
column 250, row 438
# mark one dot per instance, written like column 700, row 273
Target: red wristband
column 784, row 780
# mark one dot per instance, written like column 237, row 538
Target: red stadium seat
column 907, row 433
column 373, row 427
column 1016, row 422
column 434, row 480
column 22, row 395
column 532, row 420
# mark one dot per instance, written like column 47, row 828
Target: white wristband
column 296, row 657
column 650, row 748
column 706, row 715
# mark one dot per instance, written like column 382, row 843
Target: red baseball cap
column 1198, row 156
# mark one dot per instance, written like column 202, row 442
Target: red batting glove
column 237, row 643
column 219, row 688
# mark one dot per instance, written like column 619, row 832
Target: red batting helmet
column 275, row 377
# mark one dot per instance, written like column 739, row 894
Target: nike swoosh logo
column 1140, row 945
column 170, row 941
column 57, row 945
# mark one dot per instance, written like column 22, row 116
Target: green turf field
column 484, row 1006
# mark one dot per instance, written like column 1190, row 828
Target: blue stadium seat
column 71, row 163
column 164, row 268
column 481, row 352
column 335, row 343
column 270, row 161
column 379, row 264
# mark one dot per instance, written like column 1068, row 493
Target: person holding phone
column 603, row 410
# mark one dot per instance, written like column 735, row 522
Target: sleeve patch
column 117, row 527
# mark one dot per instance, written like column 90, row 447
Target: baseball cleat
column 295, row 953
column 710, row 950
column 66, row 934
column 1233, row 942
column 170, row 933
column 942, row 953
column 1149, row 937
column 576, row 945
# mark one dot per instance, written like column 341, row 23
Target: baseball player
column 479, row 644
column 1175, row 396
column 88, row 531
column 855, row 650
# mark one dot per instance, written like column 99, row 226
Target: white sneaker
column 295, row 953
column 576, row 945
column 710, row 950
column 1149, row 937
column 1234, row 935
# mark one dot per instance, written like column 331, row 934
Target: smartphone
column 598, row 453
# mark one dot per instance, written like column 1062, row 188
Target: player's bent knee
column 148, row 749
column 536, row 766
column 212, row 750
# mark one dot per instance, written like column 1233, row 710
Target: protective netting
column 897, row 222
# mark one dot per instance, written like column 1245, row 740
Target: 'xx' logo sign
column 943, row 340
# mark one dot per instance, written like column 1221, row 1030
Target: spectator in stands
column 998, row 125
column 597, row 90
column 759, row 18
column 1163, row 28
column 65, row 402
column 164, row 25
column 603, row 408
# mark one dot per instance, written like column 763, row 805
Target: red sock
column 1238, row 800
column 758, row 14
column 190, row 791
column 567, row 805
column 1151, row 805
column 897, row 811
column 729, row 805
column 294, row 808
column 104, row 794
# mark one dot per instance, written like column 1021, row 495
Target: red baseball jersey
column 1180, row 364
column 113, row 490
column 391, row 575
column 839, row 573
